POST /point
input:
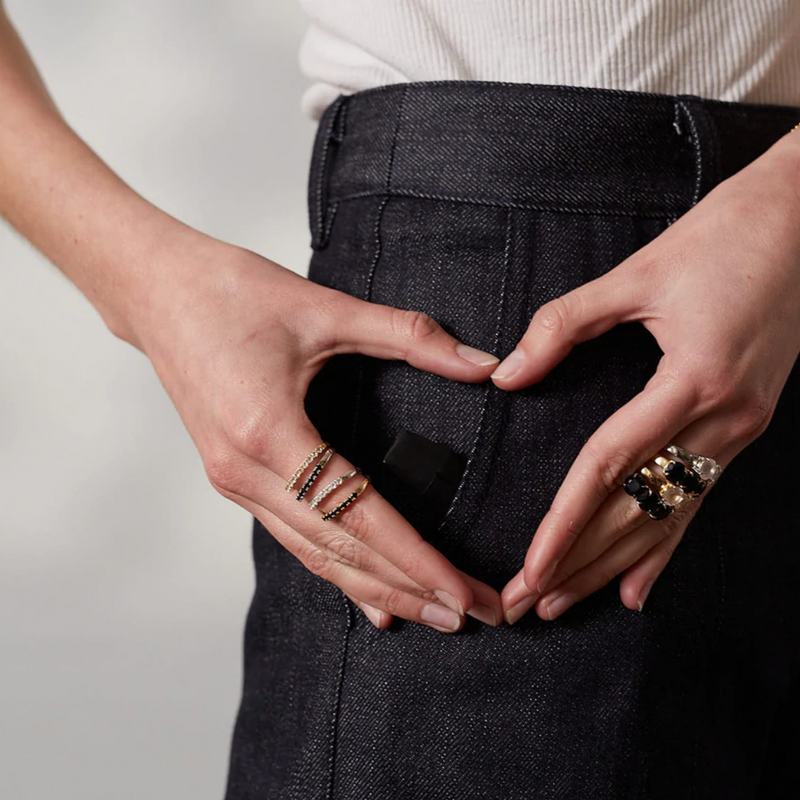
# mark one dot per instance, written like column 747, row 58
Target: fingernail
column 510, row 364
column 373, row 613
column 547, row 576
column 475, row 356
column 484, row 614
column 441, row 615
column 449, row 600
column 643, row 596
column 516, row 611
column 559, row 604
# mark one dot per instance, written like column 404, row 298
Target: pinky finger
column 380, row 619
column 639, row 578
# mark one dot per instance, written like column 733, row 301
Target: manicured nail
column 449, row 600
column 441, row 615
column 516, row 611
column 510, row 364
column 484, row 614
column 643, row 596
column 475, row 356
column 547, row 576
column 373, row 613
column 559, row 604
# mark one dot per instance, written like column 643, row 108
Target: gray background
column 124, row 577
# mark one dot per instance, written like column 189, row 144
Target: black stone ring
column 642, row 487
column 682, row 481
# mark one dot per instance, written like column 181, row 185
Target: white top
column 724, row 49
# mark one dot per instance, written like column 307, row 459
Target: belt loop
column 330, row 132
column 694, row 122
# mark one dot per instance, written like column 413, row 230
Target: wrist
column 150, row 279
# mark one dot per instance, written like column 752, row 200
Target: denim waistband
column 558, row 148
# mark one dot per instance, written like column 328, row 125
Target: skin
column 236, row 339
column 720, row 291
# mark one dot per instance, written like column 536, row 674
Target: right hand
column 236, row 340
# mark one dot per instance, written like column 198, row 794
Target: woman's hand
column 236, row 340
column 720, row 291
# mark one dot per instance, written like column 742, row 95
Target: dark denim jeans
column 477, row 202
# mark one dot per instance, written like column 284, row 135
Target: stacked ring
column 326, row 490
column 349, row 499
column 684, row 477
column 327, row 452
column 321, row 447
column 644, row 487
column 326, row 457
column 705, row 467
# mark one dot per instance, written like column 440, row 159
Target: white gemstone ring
column 705, row 467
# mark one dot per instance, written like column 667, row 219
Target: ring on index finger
column 327, row 451
column 682, row 478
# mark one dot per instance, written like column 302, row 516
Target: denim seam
column 660, row 213
column 393, row 149
column 349, row 606
column 349, row 609
column 331, row 214
column 356, row 416
column 341, row 123
column 504, row 397
column 489, row 386
column 698, row 157
column 338, row 702
column 375, row 258
column 319, row 211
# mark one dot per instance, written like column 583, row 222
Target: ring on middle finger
column 654, row 494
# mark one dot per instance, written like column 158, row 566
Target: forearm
column 66, row 201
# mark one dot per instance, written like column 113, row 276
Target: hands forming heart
column 236, row 340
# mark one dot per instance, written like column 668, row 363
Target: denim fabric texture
column 477, row 202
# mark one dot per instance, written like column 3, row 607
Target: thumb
column 384, row 331
column 557, row 326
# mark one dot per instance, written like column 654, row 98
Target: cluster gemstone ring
column 323, row 451
column 680, row 477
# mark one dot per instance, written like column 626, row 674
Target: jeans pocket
column 449, row 260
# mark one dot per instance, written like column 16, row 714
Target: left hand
column 720, row 291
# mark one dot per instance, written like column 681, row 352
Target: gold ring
column 326, row 490
column 685, row 476
column 321, row 447
column 314, row 472
column 346, row 502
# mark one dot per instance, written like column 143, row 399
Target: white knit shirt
column 725, row 49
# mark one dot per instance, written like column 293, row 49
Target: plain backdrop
column 124, row 577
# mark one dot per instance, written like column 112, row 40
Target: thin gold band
column 328, row 451
column 350, row 499
column 314, row 473
column 670, row 493
column 326, row 490
column 321, row 447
